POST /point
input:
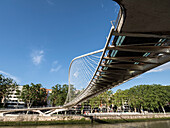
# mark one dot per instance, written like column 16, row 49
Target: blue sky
column 39, row 38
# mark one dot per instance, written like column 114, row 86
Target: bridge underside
column 139, row 43
column 146, row 16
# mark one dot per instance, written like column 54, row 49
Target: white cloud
column 102, row 5
column 50, row 2
column 37, row 56
column 55, row 67
column 10, row 76
column 54, row 63
column 161, row 68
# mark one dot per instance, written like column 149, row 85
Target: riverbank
column 145, row 124
column 33, row 120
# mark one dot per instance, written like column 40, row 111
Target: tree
column 33, row 94
column 41, row 97
column 58, row 95
column 144, row 97
column 107, row 98
column 72, row 92
column 162, row 95
column 7, row 86
column 94, row 102
column 118, row 98
column 103, row 98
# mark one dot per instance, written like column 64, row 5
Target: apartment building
column 13, row 101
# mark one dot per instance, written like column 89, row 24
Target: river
column 153, row 124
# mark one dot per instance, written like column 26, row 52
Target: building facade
column 13, row 101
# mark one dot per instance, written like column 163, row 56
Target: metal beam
column 124, row 66
column 111, row 76
column 105, row 79
column 155, row 49
column 115, row 72
column 101, row 82
column 100, row 85
column 107, row 76
column 140, row 35
column 149, row 60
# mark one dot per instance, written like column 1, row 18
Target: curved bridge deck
column 139, row 43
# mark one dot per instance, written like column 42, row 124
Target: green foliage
column 141, row 97
column 58, row 95
column 7, row 86
column 33, row 95
column 103, row 98
column 148, row 97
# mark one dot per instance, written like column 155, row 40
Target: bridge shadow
column 101, row 121
column 123, row 119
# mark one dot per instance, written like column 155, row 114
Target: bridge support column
column 55, row 111
column 38, row 111
column 2, row 114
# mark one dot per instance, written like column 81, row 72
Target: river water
column 153, row 124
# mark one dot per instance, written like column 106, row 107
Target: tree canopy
column 7, row 86
column 139, row 98
column 144, row 97
column 59, row 94
column 33, row 95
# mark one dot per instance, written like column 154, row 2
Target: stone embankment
column 101, row 116
column 40, row 118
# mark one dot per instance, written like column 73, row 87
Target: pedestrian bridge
column 138, row 41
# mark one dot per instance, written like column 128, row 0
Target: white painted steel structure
column 151, row 49
column 134, row 69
